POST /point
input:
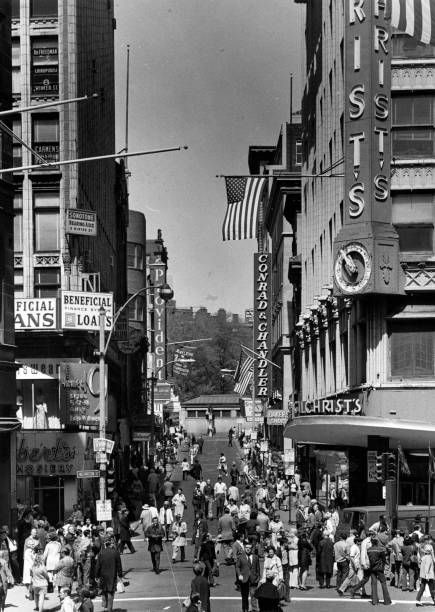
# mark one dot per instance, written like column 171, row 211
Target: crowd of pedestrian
column 74, row 559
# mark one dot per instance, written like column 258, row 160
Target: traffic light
column 382, row 467
column 391, row 467
column 110, row 480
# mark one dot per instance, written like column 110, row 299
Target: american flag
column 244, row 374
column 431, row 462
column 404, row 467
column 416, row 18
column 243, row 197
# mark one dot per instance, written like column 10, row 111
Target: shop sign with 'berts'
column 46, row 453
column 35, row 314
column 80, row 310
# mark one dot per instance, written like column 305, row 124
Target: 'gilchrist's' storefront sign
column 345, row 407
column 262, row 323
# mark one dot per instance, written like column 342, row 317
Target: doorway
column 49, row 494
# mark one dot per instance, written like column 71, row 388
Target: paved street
column 166, row 591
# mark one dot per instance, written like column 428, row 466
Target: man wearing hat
column 147, row 515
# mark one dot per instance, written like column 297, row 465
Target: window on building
column 413, row 218
column 47, row 282
column 136, row 309
column 412, row 349
column 135, row 256
column 15, row 9
column 17, row 149
column 18, row 222
column 413, row 126
column 18, row 284
column 407, row 47
column 45, row 69
column 43, row 8
column 298, row 153
column 46, row 220
column 46, row 136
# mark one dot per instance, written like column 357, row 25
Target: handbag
column 215, row 571
column 120, row 588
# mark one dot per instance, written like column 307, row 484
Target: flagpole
column 397, row 487
column 429, row 478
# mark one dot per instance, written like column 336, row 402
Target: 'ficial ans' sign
column 35, row 313
column 367, row 111
column 262, row 323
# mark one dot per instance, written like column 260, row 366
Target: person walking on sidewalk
column 230, row 436
column 220, row 492
column 108, row 569
column 427, row 573
column 179, row 502
column 185, row 466
column 40, row 580
column 200, row 444
column 155, row 535
column 248, row 576
column 179, row 533
column 125, row 533
column 166, row 519
column 377, row 560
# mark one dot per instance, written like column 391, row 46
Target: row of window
column 45, row 137
column 46, row 221
column 44, row 66
column 38, row 8
column 46, row 282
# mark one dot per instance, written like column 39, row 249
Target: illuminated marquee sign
column 366, row 249
column 262, row 323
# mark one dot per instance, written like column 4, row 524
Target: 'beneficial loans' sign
column 80, row 310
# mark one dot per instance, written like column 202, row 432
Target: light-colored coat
column 179, row 531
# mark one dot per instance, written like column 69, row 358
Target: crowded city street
column 167, row 587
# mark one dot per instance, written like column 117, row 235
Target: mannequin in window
column 19, row 405
column 41, row 410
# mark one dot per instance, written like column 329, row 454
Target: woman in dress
column 52, row 555
column 41, row 412
column 304, row 560
column 273, row 565
column 64, row 570
column 30, row 545
column 292, row 547
column 276, row 528
column 40, row 580
column 6, row 579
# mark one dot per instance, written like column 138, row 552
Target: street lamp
column 166, row 293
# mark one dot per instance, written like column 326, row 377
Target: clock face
column 353, row 268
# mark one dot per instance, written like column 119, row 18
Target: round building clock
column 353, row 268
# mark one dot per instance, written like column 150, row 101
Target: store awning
column 353, row 431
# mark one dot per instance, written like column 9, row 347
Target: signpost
column 104, row 510
column 88, row 474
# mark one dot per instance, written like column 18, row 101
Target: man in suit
column 248, row 574
column 108, row 569
column 155, row 534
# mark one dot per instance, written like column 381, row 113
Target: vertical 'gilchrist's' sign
column 262, row 323
column 367, row 112
column 366, row 250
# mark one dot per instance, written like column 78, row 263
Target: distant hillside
column 222, row 352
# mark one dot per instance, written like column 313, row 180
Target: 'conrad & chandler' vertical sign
column 262, row 323
column 366, row 249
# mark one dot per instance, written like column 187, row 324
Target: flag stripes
column 416, row 18
column 403, row 463
column 244, row 375
column 243, row 197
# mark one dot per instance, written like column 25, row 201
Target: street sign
column 100, row 457
column 102, row 445
column 88, row 474
column 81, row 222
column 81, row 310
column 104, row 510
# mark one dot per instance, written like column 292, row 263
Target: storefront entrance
column 48, row 492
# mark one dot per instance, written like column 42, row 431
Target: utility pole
column 102, row 402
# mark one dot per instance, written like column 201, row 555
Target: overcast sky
column 213, row 75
